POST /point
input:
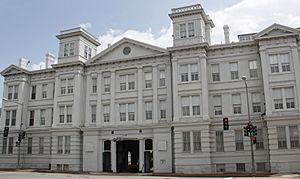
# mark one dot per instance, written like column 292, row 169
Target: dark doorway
column 148, row 156
column 107, row 157
column 128, row 156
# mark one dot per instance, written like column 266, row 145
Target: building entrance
column 128, row 156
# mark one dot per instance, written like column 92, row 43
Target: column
column 100, row 155
column 141, row 155
column 140, row 95
column 296, row 62
column 204, row 83
column 175, row 91
column 265, row 74
column 112, row 96
column 155, row 100
column 87, row 100
column 99, row 119
column 55, row 106
column 113, row 155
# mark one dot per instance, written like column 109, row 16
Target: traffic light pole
column 251, row 133
column 20, row 133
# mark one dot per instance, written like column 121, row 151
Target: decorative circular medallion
column 126, row 50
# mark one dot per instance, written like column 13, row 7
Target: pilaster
column 141, row 155
column 99, row 117
column 113, row 156
column 205, row 105
column 112, row 96
column 296, row 62
column 175, row 90
column 155, row 100
column 140, row 95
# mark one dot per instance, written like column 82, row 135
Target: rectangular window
column 239, row 143
column 274, row 63
column 10, row 145
column 10, row 92
column 191, row 29
column 13, row 117
column 122, row 82
column 41, row 145
column 85, row 51
column 148, row 106
column 194, row 72
column 106, row 84
column 217, row 100
column 29, row 145
column 72, row 49
column 44, row 91
column 90, row 53
column 197, row 141
column 240, row 167
column 215, row 72
column 131, row 82
column 59, row 167
column 148, row 79
column 184, row 73
column 122, row 108
column 285, row 62
column 94, row 110
column 196, row 105
column 253, row 69
column 66, row 50
column 65, row 167
column 69, row 114
column 182, row 30
column 162, row 104
column 260, row 139
column 4, row 145
column 7, row 118
column 185, row 106
column 67, row 144
column 31, row 118
column 277, row 97
column 294, row 136
column 234, row 71
column 43, row 117
column 63, row 83
column 59, row 144
column 219, row 141
column 162, row 78
column 186, row 141
column 94, row 85
column 33, row 92
column 106, row 112
column 131, row 111
column 16, row 91
column 61, row 114
column 261, row 166
column 220, row 167
column 236, row 103
column 256, row 103
column 281, row 137
column 70, row 85
column 289, row 97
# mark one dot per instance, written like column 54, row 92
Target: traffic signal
column 5, row 132
column 23, row 134
column 246, row 133
column 20, row 137
column 225, row 123
column 254, row 130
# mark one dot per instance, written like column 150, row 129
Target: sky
column 28, row 28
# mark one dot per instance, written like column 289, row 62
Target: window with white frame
column 289, row 97
column 219, row 141
column 10, row 92
column 162, row 104
column 44, row 91
column 184, row 73
column 10, row 145
column 285, row 62
column 41, row 145
column 13, row 92
column 234, row 71
column 162, row 78
column 253, row 68
column 33, row 92
column 217, row 100
column 122, row 108
column 190, row 105
column 70, row 85
column 127, row 112
column 194, row 72
column 215, row 71
column 131, row 81
column 281, row 137
column 66, row 50
column 122, row 82
column 94, row 85
column 277, row 97
column 63, row 84
column 4, row 145
column 106, row 84
column 260, row 139
column 274, row 64
column 189, row 72
column 42, row 116
column 186, row 141
column 197, row 141
column 191, row 29
column 148, row 79
column 65, row 112
column 69, row 49
column 127, row 82
column 72, row 49
column 61, row 114
column 185, row 106
column 7, row 118
column 236, row 104
column 182, row 30
column 66, row 85
column 148, row 109
column 69, row 114
column 131, row 111
column 106, row 112
column 196, row 105
column 239, row 143
column 60, row 144
column 29, row 145
column 294, row 136
column 93, row 114
column 63, row 144
column 31, row 117
column 10, row 117
column 256, row 103
column 87, row 52
column 67, row 144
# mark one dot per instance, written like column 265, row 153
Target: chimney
column 23, row 63
column 226, row 34
column 50, row 59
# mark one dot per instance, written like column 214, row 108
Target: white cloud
column 85, row 25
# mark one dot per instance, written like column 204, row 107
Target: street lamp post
column 20, row 131
column 251, row 133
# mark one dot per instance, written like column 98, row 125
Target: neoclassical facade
column 135, row 107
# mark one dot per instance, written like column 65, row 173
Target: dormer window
column 69, row 49
column 87, row 52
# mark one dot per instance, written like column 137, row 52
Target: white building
column 136, row 107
